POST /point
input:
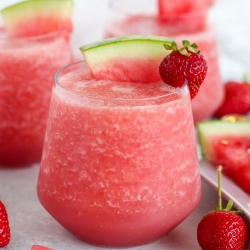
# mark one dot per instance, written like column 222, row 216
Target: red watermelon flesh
column 179, row 7
column 37, row 17
column 233, row 153
column 230, row 148
column 185, row 14
column 37, row 247
column 39, row 25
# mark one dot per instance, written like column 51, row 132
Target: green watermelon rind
column 208, row 130
column 26, row 10
column 121, row 39
column 125, row 45
column 107, row 54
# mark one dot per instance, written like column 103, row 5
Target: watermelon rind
column 219, row 129
column 130, row 53
column 118, row 40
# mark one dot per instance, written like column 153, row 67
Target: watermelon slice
column 179, row 7
column 228, row 144
column 126, row 58
column 37, row 17
column 37, row 247
column 183, row 16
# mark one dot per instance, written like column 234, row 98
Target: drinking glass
column 119, row 165
column 27, row 68
column 130, row 17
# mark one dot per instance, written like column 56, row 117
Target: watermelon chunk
column 37, row 17
column 37, row 247
column 126, row 58
column 228, row 144
column 179, row 7
column 184, row 16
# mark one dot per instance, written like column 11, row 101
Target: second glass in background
column 27, row 68
column 142, row 17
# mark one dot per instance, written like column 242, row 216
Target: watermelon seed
column 234, row 118
column 224, row 142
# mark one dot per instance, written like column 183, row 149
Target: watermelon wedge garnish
column 37, row 17
column 227, row 144
column 126, row 58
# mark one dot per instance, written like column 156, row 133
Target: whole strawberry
column 237, row 99
column 4, row 226
column 184, row 65
column 223, row 229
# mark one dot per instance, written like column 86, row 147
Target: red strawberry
column 237, row 99
column 184, row 65
column 222, row 228
column 4, row 226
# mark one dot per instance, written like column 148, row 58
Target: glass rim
column 57, row 82
column 30, row 38
column 113, row 7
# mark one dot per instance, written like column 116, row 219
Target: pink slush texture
column 26, row 77
column 212, row 88
column 119, row 175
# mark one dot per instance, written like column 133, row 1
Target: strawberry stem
column 229, row 205
column 219, row 188
column 230, row 202
column 185, row 50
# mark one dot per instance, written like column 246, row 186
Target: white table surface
column 31, row 224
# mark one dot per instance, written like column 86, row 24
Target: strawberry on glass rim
column 183, row 65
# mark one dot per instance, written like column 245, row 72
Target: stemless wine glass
column 119, row 165
column 129, row 17
column 27, row 68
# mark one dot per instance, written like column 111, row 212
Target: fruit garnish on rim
column 223, row 228
column 4, row 226
column 145, row 59
column 183, row 65
column 126, row 58
column 227, row 142
column 37, row 17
